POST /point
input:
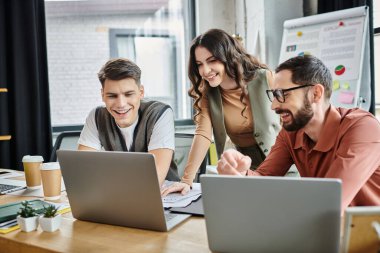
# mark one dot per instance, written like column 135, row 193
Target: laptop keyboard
column 4, row 188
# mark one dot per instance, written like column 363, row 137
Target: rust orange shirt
column 348, row 148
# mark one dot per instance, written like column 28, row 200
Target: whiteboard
column 341, row 40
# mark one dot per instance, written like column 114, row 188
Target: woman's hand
column 176, row 187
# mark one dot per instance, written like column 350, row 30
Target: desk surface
column 81, row 236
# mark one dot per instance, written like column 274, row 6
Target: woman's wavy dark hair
column 239, row 65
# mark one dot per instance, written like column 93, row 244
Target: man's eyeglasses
column 279, row 94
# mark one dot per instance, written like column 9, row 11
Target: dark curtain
column 24, row 109
column 335, row 5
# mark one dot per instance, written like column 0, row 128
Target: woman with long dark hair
column 228, row 88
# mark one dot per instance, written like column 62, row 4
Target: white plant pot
column 28, row 224
column 50, row 224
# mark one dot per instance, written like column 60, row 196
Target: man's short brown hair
column 308, row 69
column 119, row 69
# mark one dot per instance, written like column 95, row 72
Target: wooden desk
column 80, row 236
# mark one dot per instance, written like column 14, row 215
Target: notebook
column 9, row 211
column 272, row 214
column 9, row 185
column 116, row 188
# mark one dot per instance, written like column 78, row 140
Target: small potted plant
column 27, row 217
column 50, row 220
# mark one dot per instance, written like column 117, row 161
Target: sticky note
column 346, row 97
column 346, row 85
column 336, row 85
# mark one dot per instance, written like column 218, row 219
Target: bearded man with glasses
column 321, row 140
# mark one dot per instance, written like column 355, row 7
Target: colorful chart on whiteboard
column 338, row 40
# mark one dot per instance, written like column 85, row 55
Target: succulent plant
column 50, row 211
column 26, row 210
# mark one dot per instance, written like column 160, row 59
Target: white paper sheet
column 10, row 173
column 179, row 200
column 34, row 193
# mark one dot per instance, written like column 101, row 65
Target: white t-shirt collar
column 128, row 133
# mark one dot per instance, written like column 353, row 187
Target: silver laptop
column 9, row 185
column 116, row 188
column 272, row 214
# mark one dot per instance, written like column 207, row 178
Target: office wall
column 276, row 12
column 215, row 14
column 259, row 22
column 77, row 47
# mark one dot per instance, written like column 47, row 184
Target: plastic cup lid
column 32, row 158
column 50, row 166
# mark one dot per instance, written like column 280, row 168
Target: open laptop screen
column 272, row 214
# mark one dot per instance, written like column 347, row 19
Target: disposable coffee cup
column 32, row 171
column 51, row 180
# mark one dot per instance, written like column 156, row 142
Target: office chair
column 183, row 143
column 65, row 140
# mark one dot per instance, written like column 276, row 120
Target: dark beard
column 302, row 117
